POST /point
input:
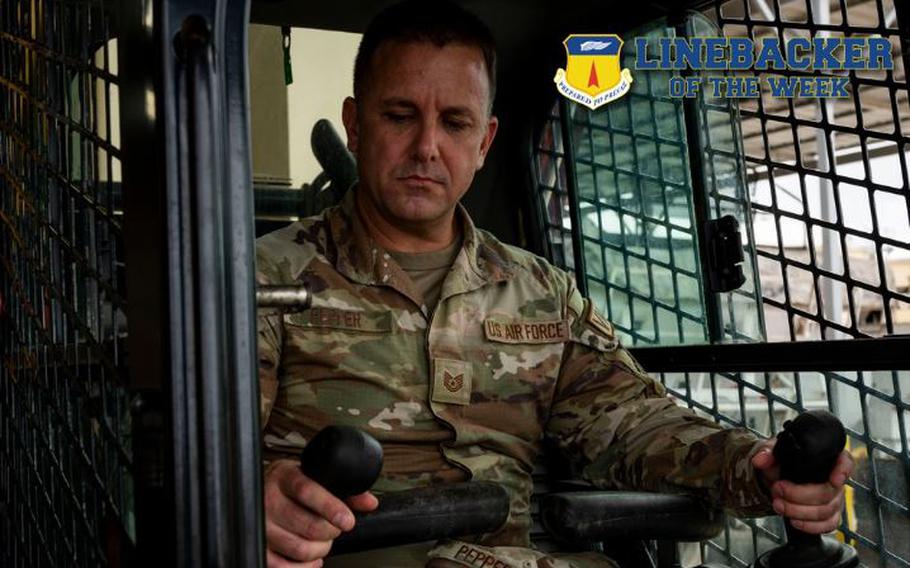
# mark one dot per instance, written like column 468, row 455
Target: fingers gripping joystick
column 343, row 459
column 807, row 450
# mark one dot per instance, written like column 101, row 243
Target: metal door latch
column 725, row 253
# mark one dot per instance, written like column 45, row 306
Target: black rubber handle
column 807, row 450
column 347, row 461
column 808, row 447
column 597, row 516
column 428, row 513
column 343, row 459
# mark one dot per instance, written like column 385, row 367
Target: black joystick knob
column 807, row 450
column 343, row 459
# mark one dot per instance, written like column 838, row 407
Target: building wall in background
column 268, row 106
column 323, row 64
column 282, row 116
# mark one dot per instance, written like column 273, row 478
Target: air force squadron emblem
column 592, row 75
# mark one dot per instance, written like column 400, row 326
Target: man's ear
column 487, row 141
column 349, row 118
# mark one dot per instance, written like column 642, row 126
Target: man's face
column 420, row 131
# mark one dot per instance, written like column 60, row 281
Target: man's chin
column 418, row 218
column 420, row 212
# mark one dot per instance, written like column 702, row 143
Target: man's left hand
column 811, row 507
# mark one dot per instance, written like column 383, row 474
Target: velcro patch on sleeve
column 594, row 330
column 597, row 321
column 526, row 331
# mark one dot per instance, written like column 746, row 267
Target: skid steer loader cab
column 728, row 181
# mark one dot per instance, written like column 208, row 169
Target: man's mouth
column 420, row 179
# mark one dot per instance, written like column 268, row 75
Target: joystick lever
column 343, row 459
column 807, row 450
column 347, row 462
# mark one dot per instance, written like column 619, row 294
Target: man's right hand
column 302, row 518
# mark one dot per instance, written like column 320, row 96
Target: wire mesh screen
column 65, row 482
column 828, row 179
column 821, row 193
column 637, row 212
column 874, row 408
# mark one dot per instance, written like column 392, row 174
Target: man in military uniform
column 457, row 352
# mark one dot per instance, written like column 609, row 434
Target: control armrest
column 428, row 513
column 593, row 516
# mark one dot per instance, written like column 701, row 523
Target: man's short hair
column 439, row 22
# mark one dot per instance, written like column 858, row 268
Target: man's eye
column 455, row 125
column 397, row 117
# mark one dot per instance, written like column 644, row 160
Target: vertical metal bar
column 832, row 300
column 700, row 203
column 831, row 297
column 202, row 242
column 572, row 189
column 902, row 16
column 211, row 280
column 141, row 110
column 243, row 392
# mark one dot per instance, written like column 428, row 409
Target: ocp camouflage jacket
column 511, row 354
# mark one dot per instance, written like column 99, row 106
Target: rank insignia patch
column 451, row 381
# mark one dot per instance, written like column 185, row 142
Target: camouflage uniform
column 512, row 353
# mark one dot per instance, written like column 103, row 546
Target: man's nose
column 426, row 145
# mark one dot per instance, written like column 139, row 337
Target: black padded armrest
column 592, row 516
column 428, row 513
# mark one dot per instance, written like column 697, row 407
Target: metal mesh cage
column 828, row 180
column 65, row 484
column 630, row 191
column 822, row 194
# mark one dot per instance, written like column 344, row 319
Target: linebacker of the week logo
column 592, row 75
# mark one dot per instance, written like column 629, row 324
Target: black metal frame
column 881, row 354
column 195, row 353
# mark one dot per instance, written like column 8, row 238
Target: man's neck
column 407, row 237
